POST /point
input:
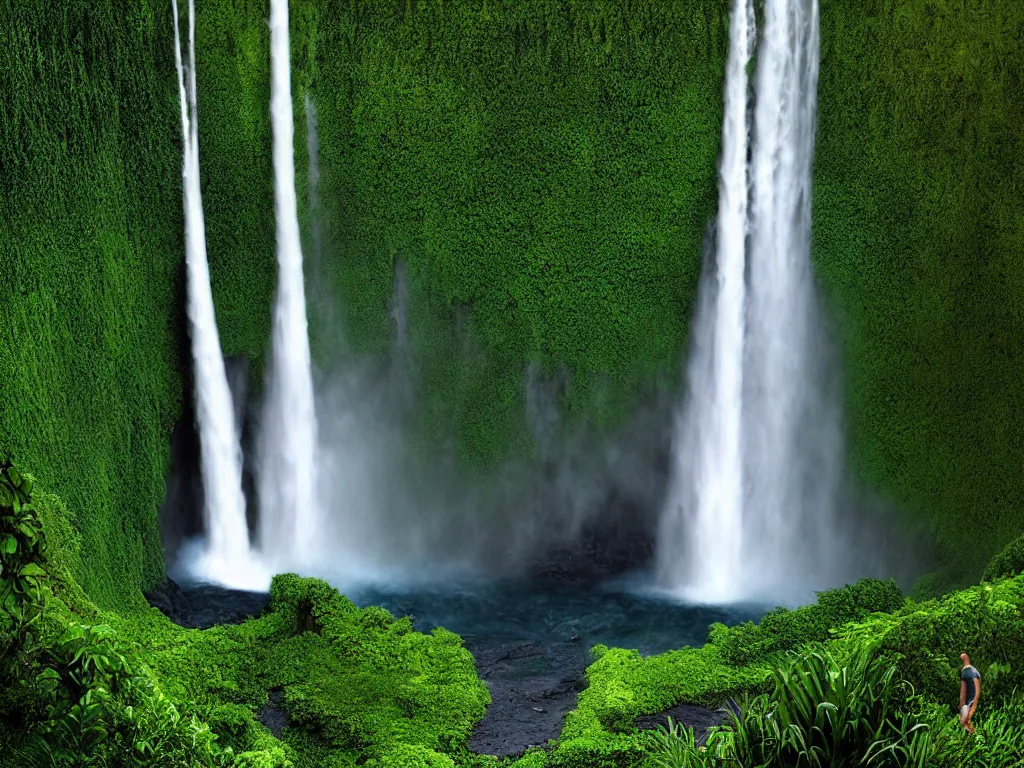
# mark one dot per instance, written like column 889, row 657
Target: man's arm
column 977, row 693
column 963, row 692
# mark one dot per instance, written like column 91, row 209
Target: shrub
column 783, row 629
column 1009, row 562
column 263, row 758
column 94, row 702
column 621, row 751
column 414, row 756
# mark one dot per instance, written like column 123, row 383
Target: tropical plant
column 81, row 696
column 824, row 711
column 676, row 747
column 22, row 549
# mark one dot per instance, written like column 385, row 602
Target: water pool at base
column 512, row 611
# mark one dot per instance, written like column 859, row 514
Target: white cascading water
column 288, row 511
column 226, row 558
column 757, row 454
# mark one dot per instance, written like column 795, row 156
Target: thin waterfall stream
column 226, row 558
column 704, row 547
column 288, row 503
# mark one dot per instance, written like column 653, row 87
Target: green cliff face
column 919, row 239
column 547, row 167
column 546, row 171
column 91, row 271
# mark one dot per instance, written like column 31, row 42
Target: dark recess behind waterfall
column 181, row 515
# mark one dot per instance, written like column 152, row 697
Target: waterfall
column 288, row 430
column 757, row 454
column 701, row 533
column 226, row 558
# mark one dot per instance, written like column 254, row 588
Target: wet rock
column 168, row 598
column 273, row 714
column 205, row 606
column 533, row 685
column 619, row 542
column 216, row 605
column 699, row 719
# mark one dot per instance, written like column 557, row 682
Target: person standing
column 970, row 690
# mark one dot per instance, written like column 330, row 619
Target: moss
column 919, row 241
column 783, row 629
column 547, row 166
column 355, row 681
column 233, row 72
column 1009, row 562
column 363, row 687
column 89, row 248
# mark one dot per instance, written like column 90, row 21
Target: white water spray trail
column 702, row 527
column 795, row 445
column 288, row 433
column 750, row 497
column 227, row 558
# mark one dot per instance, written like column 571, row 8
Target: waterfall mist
column 758, row 453
column 397, row 505
column 225, row 557
column 747, row 477
column 288, row 430
column 402, row 512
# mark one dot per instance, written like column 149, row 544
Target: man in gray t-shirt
column 970, row 690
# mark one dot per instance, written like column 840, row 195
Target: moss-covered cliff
column 548, row 166
column 919, row 238
column 91, row 270
column 546, row 170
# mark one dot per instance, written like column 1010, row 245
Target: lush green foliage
column 356, row 682
column 90, row 254
column 545, row 169
column 922, row 642
column 233, row 70
column 1009, row 562
column 836, row 712
column 22, row 548
column 783, row 629
column 919, row 241
column 74, row 694
column 359, row 685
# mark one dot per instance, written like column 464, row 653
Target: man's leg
column 965, row 718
